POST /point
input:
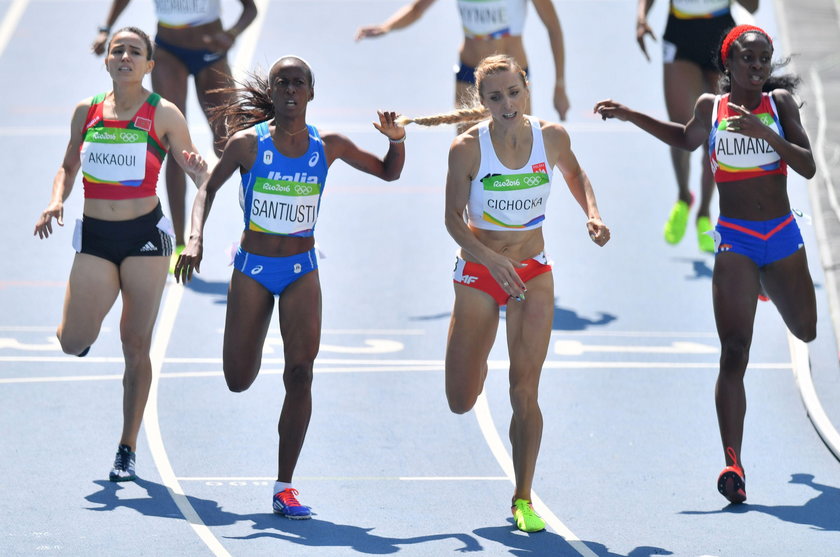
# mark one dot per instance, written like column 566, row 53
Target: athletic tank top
column 502, row 198
column 737, row 157
column 121, row 159
column 282, row 195
column 492, row 19
column 699, row 9
column 187, row 13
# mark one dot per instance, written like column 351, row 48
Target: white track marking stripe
column 379, row 368
column 10, row 22
column 151, row 423
column 816, row 413
column 494, row 442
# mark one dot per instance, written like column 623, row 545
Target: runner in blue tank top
column 283, row 163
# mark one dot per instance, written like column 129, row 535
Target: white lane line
column 151, row 422
column 347, row 478
column 392, row 369
column 824, row 170
column 494, row 442
column 163, row 333
column 816, row 413
column 10, row 22
column 387, row 369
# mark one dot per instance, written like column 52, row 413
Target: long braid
column 473, row 111
column 458, row 116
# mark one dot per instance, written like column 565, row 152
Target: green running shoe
column 677, row 222
column 704, row 240
column 526, row 517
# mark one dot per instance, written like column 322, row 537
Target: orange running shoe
column 731, row 483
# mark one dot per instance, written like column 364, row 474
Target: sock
column 280, row 486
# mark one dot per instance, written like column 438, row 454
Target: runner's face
column 750, row 61
column 290, row 87
column 127, row 57
column 504, row 95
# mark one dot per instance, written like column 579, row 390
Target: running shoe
column 123, row 470
column 704, row 240
column 731, row 483
column 173, row 259
column 286, row 504
column 526, row 517
column 677, row 221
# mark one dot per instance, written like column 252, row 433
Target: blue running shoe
column 123, row 470
column 286, row 504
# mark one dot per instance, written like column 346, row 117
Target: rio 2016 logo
column 302, row 189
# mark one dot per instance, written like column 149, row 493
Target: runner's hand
column 369, row 32
column 189, row 261
column 598, row 231
column 43, row 227
column 389, row 126
column 642, row 29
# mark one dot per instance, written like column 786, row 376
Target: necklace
column 303, row 129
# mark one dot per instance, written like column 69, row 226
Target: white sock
column 280, row 486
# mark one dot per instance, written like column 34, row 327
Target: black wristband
column 104, row 29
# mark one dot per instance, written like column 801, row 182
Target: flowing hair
column 250, row 102
column 472, row 111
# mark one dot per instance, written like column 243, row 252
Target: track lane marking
column 494, row 442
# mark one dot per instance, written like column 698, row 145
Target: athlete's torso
column 282, row 195
column 121, row 159
column 734, row 156
column 509, row 199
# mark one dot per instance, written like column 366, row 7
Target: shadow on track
column 822, row 512
column 563, row 320
column 311, row 533
column 549, row 543
column 213, row 288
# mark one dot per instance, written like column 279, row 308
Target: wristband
column 104, row 29
column 400, row 140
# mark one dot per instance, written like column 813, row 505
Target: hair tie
column 734, row 34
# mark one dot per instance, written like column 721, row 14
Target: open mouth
column 509, row 115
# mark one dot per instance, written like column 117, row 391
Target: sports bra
column 734, row 156
column 187, row 13
column 699, row 9
column 282, row 195
column 492, row 19
column 121, row 159
column 502, row 198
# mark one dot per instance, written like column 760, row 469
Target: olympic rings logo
column 302, row 189
column 128, row 137
column 531, row 180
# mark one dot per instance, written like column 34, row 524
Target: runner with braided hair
column 497, row 186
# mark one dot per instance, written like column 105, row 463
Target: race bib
column 186, row 13
column 699, row 8
column 484, row 18
column 735, row 151
column 283, row 207
column 515, row 200
column 114, row 156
